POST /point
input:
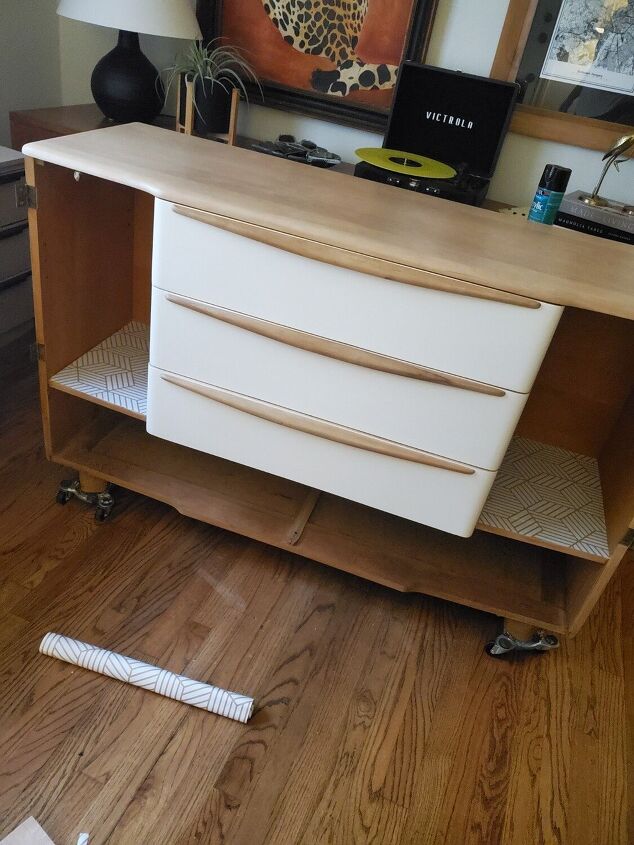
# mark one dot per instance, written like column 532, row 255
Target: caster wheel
column 101, row 515
column 505, row 644
column 492, row 652
column 62, row 498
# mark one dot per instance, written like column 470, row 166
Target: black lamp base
column 126, row 85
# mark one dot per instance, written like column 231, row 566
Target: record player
column 444, row 134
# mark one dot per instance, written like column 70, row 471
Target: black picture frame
column 321, row 106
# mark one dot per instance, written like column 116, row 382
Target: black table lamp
column 125, row 83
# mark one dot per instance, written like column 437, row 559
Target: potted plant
column 214, row 70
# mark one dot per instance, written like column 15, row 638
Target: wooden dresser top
column 411, row 230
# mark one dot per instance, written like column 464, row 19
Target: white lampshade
column 173, row 18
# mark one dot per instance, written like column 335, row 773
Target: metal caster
column 103, row 502
column 504, row 643
column 62, row 497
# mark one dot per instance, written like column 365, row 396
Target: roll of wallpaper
column 144, row 675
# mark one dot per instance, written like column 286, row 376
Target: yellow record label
column 408, row 163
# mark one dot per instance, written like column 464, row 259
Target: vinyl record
column 408, row 163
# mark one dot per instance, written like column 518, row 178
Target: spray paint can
column 549, row 194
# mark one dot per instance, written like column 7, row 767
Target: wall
column 29, row 78
column 465, row 37
column 30, row 74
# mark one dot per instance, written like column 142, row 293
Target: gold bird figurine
column 621, row 146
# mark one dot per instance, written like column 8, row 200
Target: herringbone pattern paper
column 115, row 371
column 551, row 494
column 131, row 671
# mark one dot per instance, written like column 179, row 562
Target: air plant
column 215, row 64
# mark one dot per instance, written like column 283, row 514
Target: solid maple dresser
column 429, row 395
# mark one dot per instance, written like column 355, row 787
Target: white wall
column 29, row 58
column 465, row 38
column 29, row 78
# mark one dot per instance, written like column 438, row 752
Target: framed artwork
column 567, row 56
column 593, row 45
column 335, row 59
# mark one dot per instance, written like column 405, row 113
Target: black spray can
column 549, row 194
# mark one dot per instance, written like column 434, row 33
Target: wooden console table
column 28, row 125
column 431, row 367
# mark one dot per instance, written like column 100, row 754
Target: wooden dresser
column 429, row 395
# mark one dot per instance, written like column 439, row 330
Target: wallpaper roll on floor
column 139, row 674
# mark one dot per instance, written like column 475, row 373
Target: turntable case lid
column 450, row 116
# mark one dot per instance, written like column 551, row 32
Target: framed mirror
column 574, row 61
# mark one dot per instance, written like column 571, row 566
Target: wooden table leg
column 519, row 630
column 91, row 484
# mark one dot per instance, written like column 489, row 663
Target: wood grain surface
column 401, row 228
column 379, row 718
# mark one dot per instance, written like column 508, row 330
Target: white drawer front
column 492, row 342
column 443, row 498
column 459, row 422
column 14, row 251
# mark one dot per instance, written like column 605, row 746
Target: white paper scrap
column 28, row 833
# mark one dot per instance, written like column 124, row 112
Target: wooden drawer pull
column 332, row 348
column 314, row 425
column 341, row 257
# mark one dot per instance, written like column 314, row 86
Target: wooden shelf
column 484, row 572
column 113, row 373
column 550, row 497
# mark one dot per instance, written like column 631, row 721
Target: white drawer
column 492, row 342
column 14, row 251
column 9, row 212
column 448, row 496
column 460, row 419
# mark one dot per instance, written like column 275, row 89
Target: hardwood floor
column 379, row 718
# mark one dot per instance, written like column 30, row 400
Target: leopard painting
column 330, row 29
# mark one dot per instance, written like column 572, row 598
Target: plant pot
column 212, row 107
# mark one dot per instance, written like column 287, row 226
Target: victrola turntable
column 444, row 134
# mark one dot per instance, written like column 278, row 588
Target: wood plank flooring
column 379, row 718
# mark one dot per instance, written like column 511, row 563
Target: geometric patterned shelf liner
column 551, row 494
column 115, row 371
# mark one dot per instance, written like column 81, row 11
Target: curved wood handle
column 332, row 348
column 356, row 261
column 314, row 425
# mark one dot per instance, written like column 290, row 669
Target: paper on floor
column 28, row 833
column 233, row 705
